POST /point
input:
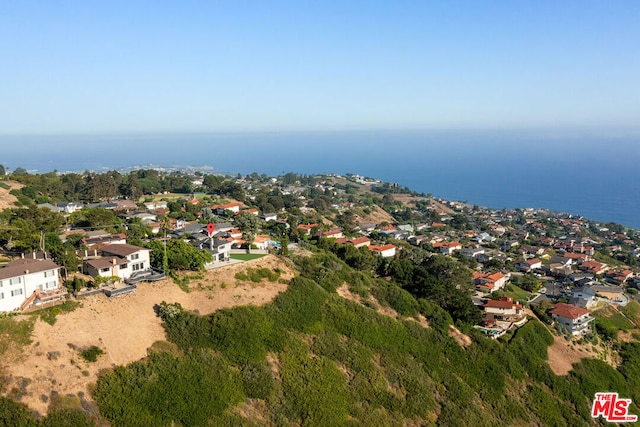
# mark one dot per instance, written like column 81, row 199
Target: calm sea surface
column 595, row 177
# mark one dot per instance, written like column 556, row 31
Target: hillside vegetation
column 314, row 358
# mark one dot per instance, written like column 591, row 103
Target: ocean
column 597, row 177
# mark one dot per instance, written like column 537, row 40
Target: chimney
column 26, row 272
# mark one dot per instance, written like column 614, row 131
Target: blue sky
column 218, row 66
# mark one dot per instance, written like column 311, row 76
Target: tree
column 249, row 224
column 180, row 255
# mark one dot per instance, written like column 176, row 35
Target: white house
column 385, row 251
column 25, row 281
column 575, row 319
column 220, row 209
column 503, row 309
column 118, row 260
column 269, row 217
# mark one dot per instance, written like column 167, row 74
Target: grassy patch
column 611, row 317
column 257, row 274
column 5, row 186
column 246, row 257
column 632, row 311
column 515, row 292
column 49, row 314
column 13, row 331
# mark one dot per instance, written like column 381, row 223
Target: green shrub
column 91, row 354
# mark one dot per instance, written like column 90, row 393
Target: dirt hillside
column 124, row 327
column 8, row 200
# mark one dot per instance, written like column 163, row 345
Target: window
column 0, row 283
column 15, row 281
column 49, row 273
column 51, row 285
column 16, row 292
column 1, row 295
column 137, row 267
column 105, row 270
column 123, row 266
column 135, row 256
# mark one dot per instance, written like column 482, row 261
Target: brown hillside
column 8, row 200
column 124, row 327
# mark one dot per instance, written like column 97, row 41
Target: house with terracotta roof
column 529, row 264
column 575, row 319
column 594, row 267
column 252, row 211
column 385, row 251
column 118, row 260
column 29, row 281
column 360, row 242
column 220, row 209
column 504, row 309
column 448, row 247
column 489, row 281
column 335, row 233
column 307, row 228
column 618, row 276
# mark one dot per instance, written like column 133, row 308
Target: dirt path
column 123, row 327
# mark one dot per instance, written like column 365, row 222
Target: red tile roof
column 381, row 248
column 569, row 311
column 504, row 302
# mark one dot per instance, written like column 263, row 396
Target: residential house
column 593, row 267
column 269, row 217
column 220, row 209
column 419, row 240
column 618, row 276
column 119, row 260
column 489, row 281
column 385, row 251
column 110, row 239
column 264, row 242
column 584, row 297
column 252, row 211
column 471, row 252
column 360, row 242
column 27, row 281
column 64, row 207
column 483, row 237
column 406, row 227
column 448, row 247
column 528, row 265
column 335, row 233
column 491, row 254
column 152, row 206
column 508, row 245
column 307, row 228
column 128, row 205
column 504, row 309
column 575, row 319
column 220, row 250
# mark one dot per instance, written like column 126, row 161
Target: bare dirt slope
column 124, row 327
column 8, row 200
column 377, row 216
column 563, row 354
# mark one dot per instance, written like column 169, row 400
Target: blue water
column 595, row 177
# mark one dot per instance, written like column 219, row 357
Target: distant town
column 102, row 237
